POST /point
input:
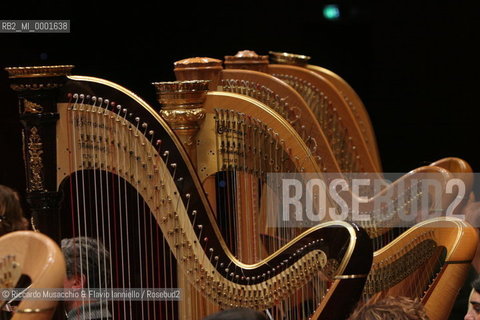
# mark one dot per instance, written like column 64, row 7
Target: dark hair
column 237, row 314
column 391, row 308
column 11, row 212
column 476, row 284
column 82, row 253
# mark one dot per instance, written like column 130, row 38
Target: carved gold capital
column 289, row 58
column 182, row 108
column 183, row 118
column 182, row 102
column 38, row 77
column 39, row 71
column 247, row 59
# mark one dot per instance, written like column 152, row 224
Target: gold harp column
column 182, row 108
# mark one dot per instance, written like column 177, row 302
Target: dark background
column 414, row 63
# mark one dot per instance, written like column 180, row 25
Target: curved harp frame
column 39, row 257
column 299, row 115
column 359, row 111
column 303, row 117
column 284, row 130
column 343, row 113
column 357, row 107
column 251, row 218
column 255, row 108
column 459, row 240
column 322, row 149
column 232, row 100
column 355, row 118
column 327, row 80
column 192, row 253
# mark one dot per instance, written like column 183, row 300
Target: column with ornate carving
column 37, row 90
column 182, row 108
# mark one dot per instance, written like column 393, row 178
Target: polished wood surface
column 39, row 258
column 437, row 280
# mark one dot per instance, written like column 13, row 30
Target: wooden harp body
column 429, row 261
column 37, row 256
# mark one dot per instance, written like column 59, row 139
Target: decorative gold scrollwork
column 32, row 107
column 183, row 118
column 35, row 151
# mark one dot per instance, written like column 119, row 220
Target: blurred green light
column 331, row 12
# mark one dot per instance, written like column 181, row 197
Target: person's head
column 11, row 213
column 87, row 262
column 391, row 308
column 473, row 312
column 237, row 314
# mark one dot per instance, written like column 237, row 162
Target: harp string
column 73, row 148
column 108, row 281
column 140, row 249
column 166, row 257
column 79, row 197
column 143, row 241
column 120, row 213
column 94, row 119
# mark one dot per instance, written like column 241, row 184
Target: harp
column 270, row 91
column 420, row 263
column 38, row 257
column 328, row 94
column 326, row 102
column 330, row 112
column 254, row 83
column 334, row 138
column 442, row 266
column 429, row 261
column 351, row 98
column 397, row 250
column 102, row 163
column 236, row 143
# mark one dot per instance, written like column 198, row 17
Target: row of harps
column 188, row 193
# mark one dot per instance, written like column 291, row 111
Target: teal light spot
column 331, row 12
